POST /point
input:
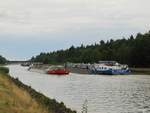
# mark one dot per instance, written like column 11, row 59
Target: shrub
column 4, row 70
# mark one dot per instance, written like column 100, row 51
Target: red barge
column 57, row 70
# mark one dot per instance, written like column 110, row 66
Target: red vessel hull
column 58, row 72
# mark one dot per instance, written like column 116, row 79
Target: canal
column 104, row 93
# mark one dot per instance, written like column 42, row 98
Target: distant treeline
column 2, row 60
column 134, row 51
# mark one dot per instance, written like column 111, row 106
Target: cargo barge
column 102, row 67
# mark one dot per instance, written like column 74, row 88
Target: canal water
column 104, row 93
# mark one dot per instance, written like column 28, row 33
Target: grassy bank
column 16, row 100
column 15, row 97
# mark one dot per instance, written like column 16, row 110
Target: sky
column 28, row 27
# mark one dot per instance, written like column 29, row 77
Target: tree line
column 134, row 51
column 2, row 60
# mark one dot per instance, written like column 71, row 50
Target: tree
column 2, row 60
column 132, row 51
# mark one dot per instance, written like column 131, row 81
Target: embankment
column 140, row 70
column 15, row 97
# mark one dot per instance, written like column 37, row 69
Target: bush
column 4, row 70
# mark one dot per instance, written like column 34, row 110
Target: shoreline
column 47, row 104
column 137, row 71
column 134, row 71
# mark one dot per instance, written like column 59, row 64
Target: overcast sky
column 28, row 27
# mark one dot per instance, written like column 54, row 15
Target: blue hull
column 113, row 72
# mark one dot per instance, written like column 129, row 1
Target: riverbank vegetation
column 16, row 100
column 15, row 97
column 4, row 70
column 134, row 51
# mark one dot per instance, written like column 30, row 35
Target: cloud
column 34, row 16
column 68, row 22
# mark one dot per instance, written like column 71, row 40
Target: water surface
column 105, row 94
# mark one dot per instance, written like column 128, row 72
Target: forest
column 134, row 51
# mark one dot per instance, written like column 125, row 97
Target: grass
column 16, row 100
